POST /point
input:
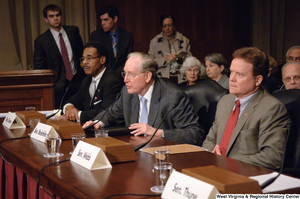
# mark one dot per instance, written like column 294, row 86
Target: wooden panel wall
column 211, row 25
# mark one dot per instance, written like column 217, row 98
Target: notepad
column 175, row 149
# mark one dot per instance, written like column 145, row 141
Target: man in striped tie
column 118, row 42
column 250, row 124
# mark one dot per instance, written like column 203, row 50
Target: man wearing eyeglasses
column 145, row 100
column 59, row 49
column 291, row 75
column 98, row 89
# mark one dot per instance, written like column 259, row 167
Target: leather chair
column 291, row 100
column 204, row 97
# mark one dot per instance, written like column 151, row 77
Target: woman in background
column 217, row 69
column 191, row 69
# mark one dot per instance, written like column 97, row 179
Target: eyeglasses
column 88, row 59
column 189, row 70
column 288, row 79
column 129, row 75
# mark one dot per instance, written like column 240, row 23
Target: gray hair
column 291, row 48
column 191, row 62
column 288, row 63
column 218, row 59
column 148, row 64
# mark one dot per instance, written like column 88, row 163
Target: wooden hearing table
column 69, row 180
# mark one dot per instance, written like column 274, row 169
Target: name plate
column 182, row 186
column 41, row 131
column 90, row 156
column 9, row 121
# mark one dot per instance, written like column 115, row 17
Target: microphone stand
column 97, row 121
column 145, row 143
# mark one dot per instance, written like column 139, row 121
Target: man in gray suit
column 259, row 134
column 162, row 98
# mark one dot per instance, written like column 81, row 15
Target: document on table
column 283, row 182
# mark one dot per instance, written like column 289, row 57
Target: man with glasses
column 291, row 75
column 98, row 89
column 59, row 49
column 145, row 100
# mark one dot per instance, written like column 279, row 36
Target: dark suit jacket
column 180, row 125
column 259, row 134
column 47, row 56
column 107, row 89
column 125, row 46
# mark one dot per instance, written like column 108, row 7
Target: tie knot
column 237, row 103
column 60, row 34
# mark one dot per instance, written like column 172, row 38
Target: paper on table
column 174, row 149
column 283, row 182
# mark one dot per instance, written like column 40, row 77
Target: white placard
column 9, row 121
column 181, row 186
column 90, row 156
column 41, row 131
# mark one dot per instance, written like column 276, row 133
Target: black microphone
column 145, row 143
column 271, row 180
column 59, row 108
column 91, row 125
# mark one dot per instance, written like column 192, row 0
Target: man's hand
column 143, row 128
column 96, row 126
column 172, row 56
column 217, row 150
column 71, row 113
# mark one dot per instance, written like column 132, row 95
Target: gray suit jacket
column 180, row 125
column 260, row 133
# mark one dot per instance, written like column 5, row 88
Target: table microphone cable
column 59, row 108
column 39, row 173
column 271, row 180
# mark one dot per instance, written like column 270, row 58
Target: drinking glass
column 53, row 144
column 32, row 123
column 162, row 172
column 101, row 133
column 76, row 137
column 161, row 154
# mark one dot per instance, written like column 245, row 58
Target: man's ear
column 116, row 19
column 46, row 20
column 148, row 76
column 258, row 80
column 102, row 59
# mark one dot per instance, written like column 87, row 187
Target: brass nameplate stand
column 225, row 181
column 114, row 149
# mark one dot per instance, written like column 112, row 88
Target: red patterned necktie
column 234, row 115
column 64, row 54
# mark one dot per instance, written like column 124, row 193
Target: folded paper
column 12, row 121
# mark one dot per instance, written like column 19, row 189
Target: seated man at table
column 146, row 99
column 98, row 89
column 250, row 125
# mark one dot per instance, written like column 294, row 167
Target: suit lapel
column 244, row 117
column 135, row 106
column 155, row 103
column 52, row 43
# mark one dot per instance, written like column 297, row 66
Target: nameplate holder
column 41, row 131
column 12, row 121
column 182, row 186
column 90, row 157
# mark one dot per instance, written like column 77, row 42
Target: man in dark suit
column 98, row 89
column 59, row 49
column 144, row 91
column 117, row 41
column 258, row 132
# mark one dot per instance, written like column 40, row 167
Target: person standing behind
column 250, row 125
column 217, row 69
column 98, row 89
column 59, row 49
column 117, row 41
column 165, row 46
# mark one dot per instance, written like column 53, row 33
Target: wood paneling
column 19, row 89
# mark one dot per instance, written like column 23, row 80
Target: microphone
column 271, row 180
column 97, row 121
column 163, row 119
column 59, row 108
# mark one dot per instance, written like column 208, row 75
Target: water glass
column 76, row 137
column 32, row 123
column 162, row 173
column 161, row 154
column 53, row 144
column 101, row 133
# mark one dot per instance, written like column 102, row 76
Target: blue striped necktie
column 144, row 115
column 114, row 43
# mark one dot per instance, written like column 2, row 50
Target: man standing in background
column 117, row 41
column 59, row 49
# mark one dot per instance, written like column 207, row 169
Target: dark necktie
column 64, row 54
column 114, row 43
column 229, row 128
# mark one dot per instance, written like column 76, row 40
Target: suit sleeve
column 39, row 55
column 187, row 129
